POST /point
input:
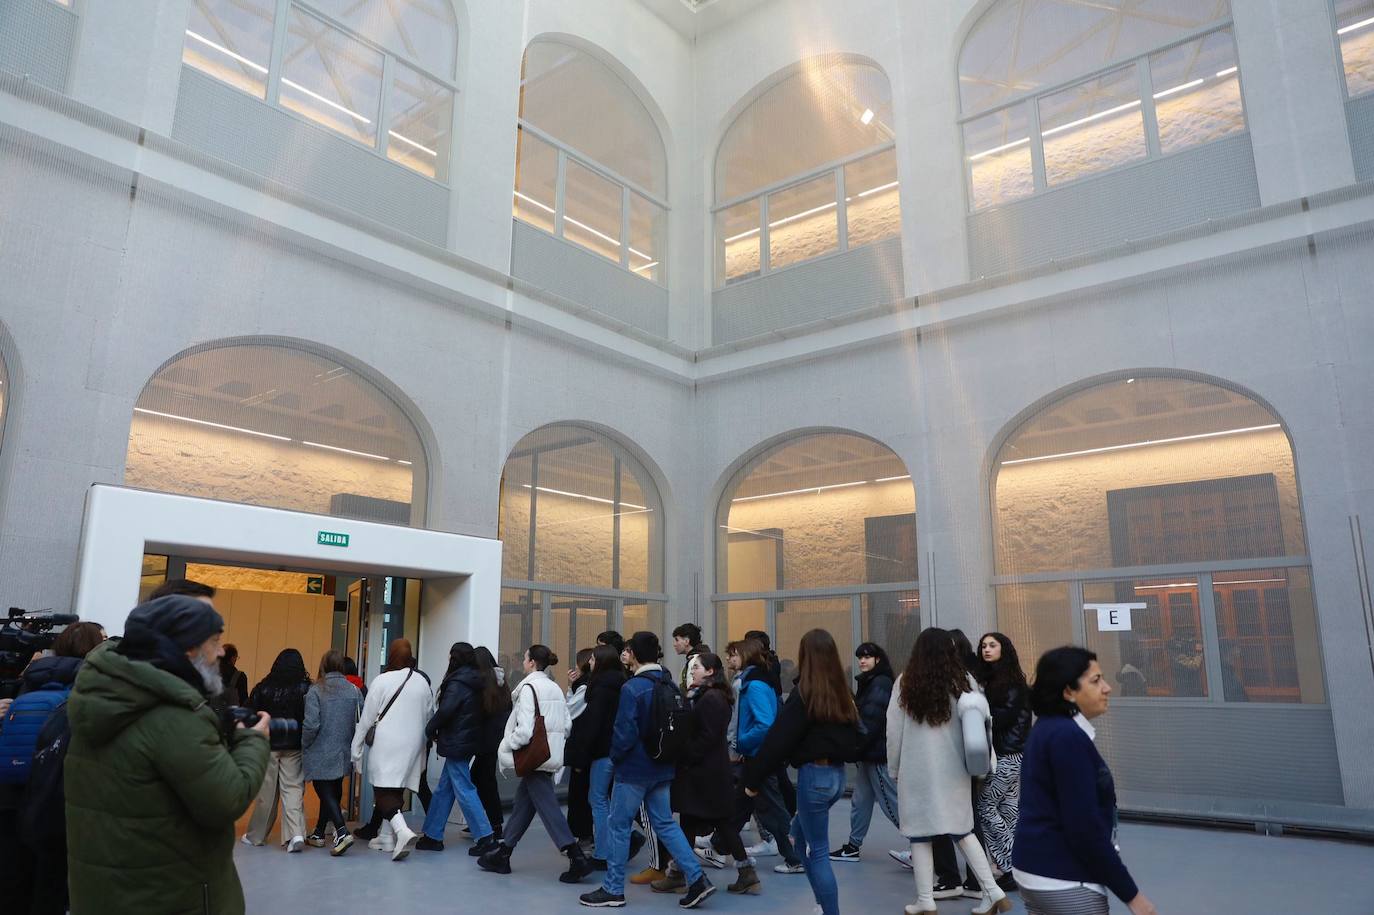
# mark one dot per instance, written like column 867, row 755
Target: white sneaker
column 249, row 842
column 767, row 849
column 785, row 868
column 703, row 842
column 901, row 857
column 386, row 839
column 295, row 845
column 709, row 857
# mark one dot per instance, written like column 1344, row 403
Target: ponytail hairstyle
column 542, row 656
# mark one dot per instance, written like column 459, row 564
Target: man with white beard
column 154, row 778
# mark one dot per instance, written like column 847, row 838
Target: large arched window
column 807, row 169
column 1055, row 90
column 819, row 531
column 1355, row 31
column 1176, row 495
column 590, row 162
column 380, row 72
column 273, row 425
column 582, row 531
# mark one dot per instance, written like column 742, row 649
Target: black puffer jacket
column 591, row 731
column 704, row 785
column 1011, row 720
column 872, row 693
column 281, row 699
column 457, row 727
column 796, row 740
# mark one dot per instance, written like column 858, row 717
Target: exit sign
column 331, row 538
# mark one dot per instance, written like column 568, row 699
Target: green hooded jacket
column 153, row 789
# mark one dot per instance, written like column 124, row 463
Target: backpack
column 42, row 812
column 671, row 723
column 19, row 733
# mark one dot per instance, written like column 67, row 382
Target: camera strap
column 392, row 700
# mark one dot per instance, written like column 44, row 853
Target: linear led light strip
column 1157, row 441
column 819, row 489
column 278, row 438
column 1354, row 26
column 582, row 225
column 299, row 88
column 580, row 495
column 785, row 220
column 1193, row 584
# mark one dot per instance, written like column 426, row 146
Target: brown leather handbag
column 534, row 754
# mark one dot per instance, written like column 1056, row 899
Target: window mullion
column 559, row 190
column 1037, row 145
column 274, row 64
column 624, row 232
column 841, row 211
column 1080, row 626
column 384, row 105
column 1211, row 647
column 763, row 235
column 1147, row 107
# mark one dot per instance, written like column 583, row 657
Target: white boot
column 994, row 900
column 405, row 837
column 923, row 868
column 386, row 838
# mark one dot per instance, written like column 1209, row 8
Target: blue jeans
column 818, row 788
column 625, row 800
column 599, row 796
column 455, row 783
column 873, row 784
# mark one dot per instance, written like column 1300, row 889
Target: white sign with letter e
column 1114, row 617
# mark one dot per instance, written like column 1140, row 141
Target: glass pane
column 872, row 199
column 1036, row 617
column 998, row 148
column 330, row 78
column 737, row 243
column 574, row 623
column 1267, row 632
column 591, row 211
column 736, row 617
column 232, row 41
column 648, row 238
column 153, row 575
column 1197, row 92
column 536, row 180
column 421, row 113
column 1161, row 654
column 423, row 30
column 802, row 223
column 521, row 618
column 643, row 617
column 1355, row 29
column 893, row 620
column 797, row 617
column 1093, row 126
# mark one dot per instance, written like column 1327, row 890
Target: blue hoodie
column 758, row 708
column 632, row 722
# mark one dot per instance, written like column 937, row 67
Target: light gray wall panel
column 244, row 131
column 824, row 288
column 1230, row 750
column 1099, row 213
column 36, row 41
column 574, row 273
column 1359, row 117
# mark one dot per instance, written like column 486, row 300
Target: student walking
column 873, row 784
column 332, row 706
column 999, row 797
column 456, row 730
column 1065, row 854
column 925, row 754
column 496, row 707
column 816, row 731
column 589, row 747
column 579, row 806
column 537, row 699
column 281, row 694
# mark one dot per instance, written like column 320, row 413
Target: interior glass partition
column 1355, row 35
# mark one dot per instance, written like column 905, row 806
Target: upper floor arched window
column 1355, row 30
column 808, row 168
column 273, row 425
column 380, row 72
column 590, row 162
column 1055, row 90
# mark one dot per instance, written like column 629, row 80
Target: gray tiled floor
column 1185, row 871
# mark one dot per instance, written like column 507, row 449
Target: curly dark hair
column 1003, row 675
column 934, row 675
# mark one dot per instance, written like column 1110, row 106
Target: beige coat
column 934, row 789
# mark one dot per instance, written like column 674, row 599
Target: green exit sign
column 331, row 538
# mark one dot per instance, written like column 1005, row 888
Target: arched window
column 582, row 531
column 1355, row 31
column 380, row 72
column 808, row 168
column 1055, row 90
column 273, row 425
column 819, row 531
column 1180, row 497
column 590, row 162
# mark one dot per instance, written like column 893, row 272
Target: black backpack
column 671, row 723
column 42, row 811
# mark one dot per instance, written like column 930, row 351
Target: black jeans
column 49, row 877
column 330, row 793
column 579, row 805
column 484, row 779
column 16, row 865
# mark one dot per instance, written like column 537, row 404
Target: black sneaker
column 972, row 888
column 697, row 893
column 428, row 844
column 846, row 852
column 1007, row 882
column 948, row 890
column 600, row 899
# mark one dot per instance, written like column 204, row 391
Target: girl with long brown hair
column 332, row 707
column 817, row 731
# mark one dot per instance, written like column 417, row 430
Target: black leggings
column 330, row 793
column 484, row 779
column 387, row 802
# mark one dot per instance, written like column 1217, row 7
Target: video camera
column 23, row 634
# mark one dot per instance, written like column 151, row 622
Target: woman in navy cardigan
column 1065, row 857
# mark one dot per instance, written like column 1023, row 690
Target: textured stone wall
column 234, row 578
column 871, row 219
column 1357, row 52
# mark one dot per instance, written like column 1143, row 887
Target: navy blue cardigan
column 1068, row 810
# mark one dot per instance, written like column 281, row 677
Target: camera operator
column 154, row 779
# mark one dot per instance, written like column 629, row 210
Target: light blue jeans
column 818, row 788
column 455, row 783
column 599, row 797
column 873, row 785
column 625, row 800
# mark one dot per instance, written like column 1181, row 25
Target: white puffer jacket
column 520, row 725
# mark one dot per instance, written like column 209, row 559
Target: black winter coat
column 1011, row 721
column 796, row 740
column 704, row 785
column 281, row 700
column 590, row 739
column 872, row 694
column 457, row 726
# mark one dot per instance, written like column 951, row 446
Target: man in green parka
column 154, row 781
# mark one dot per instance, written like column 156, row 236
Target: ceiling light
column 997, row 149
column 530, row 200
column 225, row 51
column 820, row 489
column 1158, row 441
column 1091, row 117
column 874, row 190
column 320, row 98
column 375, row 457
column 1354, row 26
column 408, row 141
column 867, row 117
column 206, row 422
column 741, row 235
column 1181, row 88
column 580, row 495
column 1176, row 584
column 1229, row 70
column 1130, row 381
column 407, row 463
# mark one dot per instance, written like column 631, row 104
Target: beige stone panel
column 272, row 629
column 301, row 610
column 233, row 578
column 246, row 610
column 1357, row 51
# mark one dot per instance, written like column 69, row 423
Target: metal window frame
column 1340, row 54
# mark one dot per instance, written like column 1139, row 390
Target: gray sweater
column 331, row 714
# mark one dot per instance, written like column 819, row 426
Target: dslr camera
column 22, row 634
column 282, row 733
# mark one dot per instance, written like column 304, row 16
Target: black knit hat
column 184, row 621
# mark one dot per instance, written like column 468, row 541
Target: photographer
column 155, row 780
